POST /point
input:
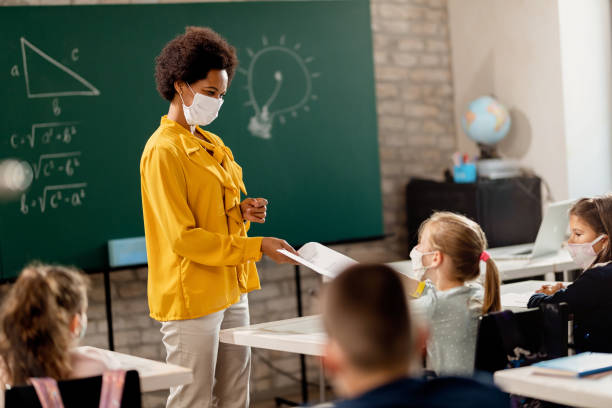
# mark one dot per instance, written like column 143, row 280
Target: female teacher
column 201, row 261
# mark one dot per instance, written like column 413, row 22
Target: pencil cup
column 465, row 173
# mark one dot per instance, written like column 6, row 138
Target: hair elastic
column 484, row 256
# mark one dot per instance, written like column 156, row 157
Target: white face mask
column 203, row 109
column 584, row 254
column 418, row 269
column 83, row 329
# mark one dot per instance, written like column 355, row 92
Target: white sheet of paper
column 304, row 262
column 321, row 259
column 515, row 299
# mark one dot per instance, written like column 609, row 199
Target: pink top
column 86, row 362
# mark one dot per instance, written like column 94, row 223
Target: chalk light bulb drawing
column 261, row 123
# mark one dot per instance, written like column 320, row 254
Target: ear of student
column 438, row 258
column 75, row 323
column 332, row 357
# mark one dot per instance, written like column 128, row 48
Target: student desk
column 522, row 290
column 302, row 335
column 583, row 392
column 510, row 269
column 305, row 335
column 154, row 375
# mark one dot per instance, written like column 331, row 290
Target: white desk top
column 154, row 375
column 305, row 335
column 528, row 286
column 514, row 296
column 515, row 268
column 582, row 392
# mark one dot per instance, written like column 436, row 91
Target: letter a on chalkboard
column 45, row 77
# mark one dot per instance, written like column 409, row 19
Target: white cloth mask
column 418, row 269
column 203, row 110
column 83, row 327
column 584, row 254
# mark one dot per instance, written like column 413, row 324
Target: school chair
column 509, row 339
column 78, row 393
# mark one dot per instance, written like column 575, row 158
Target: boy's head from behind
column 366, row 317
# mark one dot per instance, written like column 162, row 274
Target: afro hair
column 190, row 56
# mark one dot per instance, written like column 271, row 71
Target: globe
column 486, row 122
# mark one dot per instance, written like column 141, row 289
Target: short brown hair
column 365, row 311
column 35, row 322
column 190, row 56
column 597, row 212
column 464, row 241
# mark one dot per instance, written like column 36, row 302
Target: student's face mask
column 418, row 269
column 584, row 254
column 83, row 326
column 203, row 109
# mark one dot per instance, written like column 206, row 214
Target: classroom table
column 305, row 335
column 154, row 375
column 593, row 392
column 510, row 269
column 514, row 296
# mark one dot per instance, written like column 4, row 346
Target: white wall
column 585, row 55
column 548, row 61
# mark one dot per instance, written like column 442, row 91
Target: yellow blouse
column 200, row 258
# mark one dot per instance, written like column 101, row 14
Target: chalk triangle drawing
column 45, row 77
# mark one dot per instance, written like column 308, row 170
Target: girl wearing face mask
column 588, row 297
column 451, row 253
column 42, row 319
column 201, row 260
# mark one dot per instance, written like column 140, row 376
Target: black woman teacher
column 201, row 261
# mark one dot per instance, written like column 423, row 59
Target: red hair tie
column 484, row 256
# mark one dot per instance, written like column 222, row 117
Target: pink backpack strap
column 48, row 393
column 112, row 389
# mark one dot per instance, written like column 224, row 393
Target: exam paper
column 321, row 259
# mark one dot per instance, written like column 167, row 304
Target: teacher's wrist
column 252, row 251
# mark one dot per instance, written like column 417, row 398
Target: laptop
column 550, row 236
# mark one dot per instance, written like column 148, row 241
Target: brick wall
column 416, row 138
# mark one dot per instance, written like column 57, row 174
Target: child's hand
column 550, row 289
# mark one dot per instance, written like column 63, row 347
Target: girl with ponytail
column 452, row 254
column 42, row 318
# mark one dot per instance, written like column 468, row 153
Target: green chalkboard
column 79, row 103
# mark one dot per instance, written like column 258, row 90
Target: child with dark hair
column 201, row 260
column 42, row 319
column 372, row 350
column 588, row 297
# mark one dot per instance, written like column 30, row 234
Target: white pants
column 220, row 371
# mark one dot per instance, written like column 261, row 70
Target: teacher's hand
column 254, row 209
column 270, row 245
